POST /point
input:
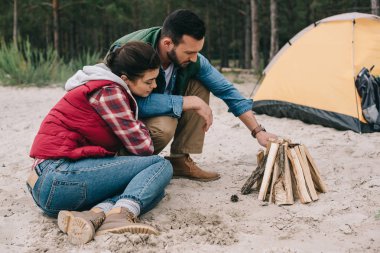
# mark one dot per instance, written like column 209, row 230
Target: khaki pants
column 187, row 131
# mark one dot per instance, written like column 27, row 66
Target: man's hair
column 183, row 22
column 133, row 60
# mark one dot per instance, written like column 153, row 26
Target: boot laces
column 98, row 221
column 190, row 160
column 131, row 217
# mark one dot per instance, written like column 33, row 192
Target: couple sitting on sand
column 96, row 165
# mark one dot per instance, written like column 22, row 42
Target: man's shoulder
column 148, row 35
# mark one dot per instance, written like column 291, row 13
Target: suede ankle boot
column 184, row 166
column 80, row 226
column 120, row 220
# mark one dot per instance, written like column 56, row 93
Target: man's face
column 186, row 51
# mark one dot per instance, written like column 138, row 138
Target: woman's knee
column 166, row 166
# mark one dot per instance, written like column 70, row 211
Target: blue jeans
column 79, row 185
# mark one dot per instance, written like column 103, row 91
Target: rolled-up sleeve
column 160, row 105
column 218, row 85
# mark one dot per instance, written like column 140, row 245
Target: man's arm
column 160, row 105
column 250, row 121
column 171, row 105
column 237, row 104
column 200, row 107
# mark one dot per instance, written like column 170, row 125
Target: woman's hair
column 133, row 59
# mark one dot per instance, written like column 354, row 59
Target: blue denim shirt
column 171, row 105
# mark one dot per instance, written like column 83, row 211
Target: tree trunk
column 72, row 35
column 208, row 33
column 255, row 36
column 47, row 32
column 168, row 7
column 55, row 6
column 136, row 15
column 274, row 29
column 375, row 7
column 247, row 38
column 223, row 46
column 15, row 28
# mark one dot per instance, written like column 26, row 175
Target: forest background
column 44, row 42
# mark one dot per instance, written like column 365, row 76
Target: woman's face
column 144, row 85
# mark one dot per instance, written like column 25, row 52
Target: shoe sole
column 79, row 230
column 64, row 218
column 135, row 229
column 198, row 179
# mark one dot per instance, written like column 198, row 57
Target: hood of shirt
column 94, row 72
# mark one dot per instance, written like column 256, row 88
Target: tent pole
column 353, row 71
column 258, row 81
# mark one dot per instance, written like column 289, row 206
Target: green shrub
column 24, row 65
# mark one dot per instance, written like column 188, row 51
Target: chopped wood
column 306, row 172
column 316, row 175
column 279, row 192
column 268, row 170
column 260, row 156
column 287, row 178
column 276, row 174
column 285, row 171
column 300, row 180
column 283, row 194
column 256, row 174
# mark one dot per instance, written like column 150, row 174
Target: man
column 179, row 105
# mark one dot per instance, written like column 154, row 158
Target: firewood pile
column 285, row 172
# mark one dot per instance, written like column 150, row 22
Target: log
column 293, row 179
column 277, row 171
column 306, row 172
column 280, row 188
column 260, row 156
column 287, row 178
column 268, row 170
column 300, row 180
column 256, row 174
column 259, row 181
column 276, row 174
column 279, row 192
column 315, row 174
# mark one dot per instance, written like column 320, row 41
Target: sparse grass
column 377, row 215
column 26, row 66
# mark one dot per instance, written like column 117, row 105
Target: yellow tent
column 312, row 78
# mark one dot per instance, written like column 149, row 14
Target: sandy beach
column 199, row 217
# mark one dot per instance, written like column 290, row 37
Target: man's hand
column 200, row 107
column 263, row 137
column 250, row 121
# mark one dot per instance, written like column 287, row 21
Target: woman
column 76, row 167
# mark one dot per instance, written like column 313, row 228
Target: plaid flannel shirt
column 115, row 108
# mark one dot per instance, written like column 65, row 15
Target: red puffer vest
column 74, row 130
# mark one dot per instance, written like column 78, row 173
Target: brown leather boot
column 120, row 220
column 80, row 226
column 184, row 166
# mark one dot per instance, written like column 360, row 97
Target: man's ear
column 168, row 43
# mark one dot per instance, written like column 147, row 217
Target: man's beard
column 174, row 59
